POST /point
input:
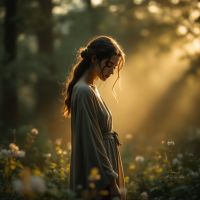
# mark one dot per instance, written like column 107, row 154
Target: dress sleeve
column 88, row 138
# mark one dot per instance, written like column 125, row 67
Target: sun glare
column 96, row 2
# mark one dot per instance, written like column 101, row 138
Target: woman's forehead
column 114, row 59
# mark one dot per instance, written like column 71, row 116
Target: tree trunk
column 9, row 93
column 45, row 33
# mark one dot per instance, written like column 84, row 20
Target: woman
column 94, row 144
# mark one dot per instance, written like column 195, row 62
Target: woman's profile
column 93, row 141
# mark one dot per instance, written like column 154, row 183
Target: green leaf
column 18, row 164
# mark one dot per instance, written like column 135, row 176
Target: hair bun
column 84, row 53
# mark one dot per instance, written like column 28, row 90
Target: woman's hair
column 103, row 47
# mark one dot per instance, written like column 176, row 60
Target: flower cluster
column 14, row 150
column 170, row 143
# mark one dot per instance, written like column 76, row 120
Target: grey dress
column 93, row 142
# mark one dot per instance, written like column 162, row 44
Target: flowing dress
column 93, row 142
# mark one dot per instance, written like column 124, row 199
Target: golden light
column 181, row 30
column 194, row 15
column 137, row 1
column 190, row 36
column 154, row 9
column 144, row 32
column 58, row 10
column 176, row 13
column 198, row 4
column 175, row 1
column 192, row 47
column 21, row 37
column 139, row 14
column 113, row 8
column 96, row 2
column 196, row 30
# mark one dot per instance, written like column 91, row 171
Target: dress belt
column 112, row 135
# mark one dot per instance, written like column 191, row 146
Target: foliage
column 164, row 177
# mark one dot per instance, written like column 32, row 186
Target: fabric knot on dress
column 116, row 137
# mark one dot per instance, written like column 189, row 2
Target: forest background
column 160, row 81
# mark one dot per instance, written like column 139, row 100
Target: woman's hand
column 114, row 191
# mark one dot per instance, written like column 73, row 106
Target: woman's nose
column 112, row 71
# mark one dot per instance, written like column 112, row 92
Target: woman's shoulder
column 82, row 89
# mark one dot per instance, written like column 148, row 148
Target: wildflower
column 13, row 147
column 48, row 155
column 144, row 194
column 34, row 131
column 91, row 185
column 64, row 152
column 126, row 179
column 194, row 174
column 166, row 178
column 190, row 155
column 58, row 142
column 181, row 177
column 60, row 151
column 128, row 136
column 94, row 171
column 131, row 183
column 5, row 152
column 175, row 161
column 180, row 156
column 18, row 185
column 180, row 168
column 139, row 159
column 103, row 192
column 132, row 166
column 37, row 184
column 170, row 143
column 95, row 177
column 19, row 153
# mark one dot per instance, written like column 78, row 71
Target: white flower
column 19, row 153
column 58, row 142
column 139, row 159
column 170, row 143
column 48, row 155
column 194, row 174
column 180, row 156
column 182, row 177
column 17, row 185
column 13, row 147
column 37, row 184
column 144, row 194
column 34, row 131
column 5, row 152
column 175, row 161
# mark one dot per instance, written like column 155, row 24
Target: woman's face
column 109, row 69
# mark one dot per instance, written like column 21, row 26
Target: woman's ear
column 94, row 59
